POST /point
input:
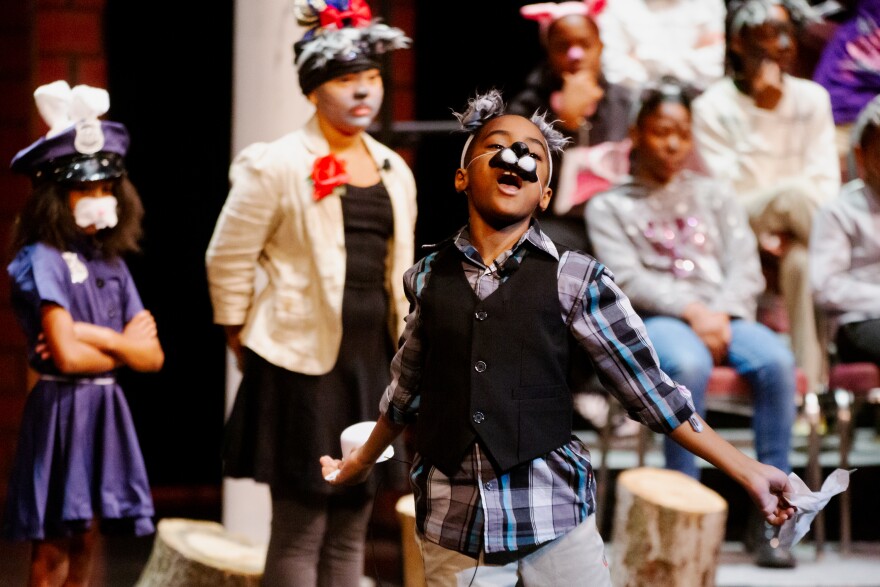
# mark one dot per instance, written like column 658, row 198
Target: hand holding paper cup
column 354, row 437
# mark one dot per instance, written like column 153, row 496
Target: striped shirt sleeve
column 604, row 324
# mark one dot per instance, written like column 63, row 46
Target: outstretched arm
column 356, row 466
column 765, row 484
column 397, row 406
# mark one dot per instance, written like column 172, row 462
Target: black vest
column 494, row 369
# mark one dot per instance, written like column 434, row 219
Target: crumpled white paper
column 809, row 504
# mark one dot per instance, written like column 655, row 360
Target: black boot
column 767, row 550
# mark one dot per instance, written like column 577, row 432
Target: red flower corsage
column 328, row 173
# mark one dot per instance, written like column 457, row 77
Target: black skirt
column 282, row 422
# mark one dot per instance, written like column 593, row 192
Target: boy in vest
column 499, row 317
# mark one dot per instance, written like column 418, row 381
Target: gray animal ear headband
column 483, row 108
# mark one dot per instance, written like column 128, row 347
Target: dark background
column 169, row 74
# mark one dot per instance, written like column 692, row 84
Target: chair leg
column 603, row 477
column 843, row 399
column 813, row 414
column 643, row 440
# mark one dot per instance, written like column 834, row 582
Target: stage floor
column 121, row 559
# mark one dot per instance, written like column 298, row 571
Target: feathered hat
column 78, row 146
column 342, row 37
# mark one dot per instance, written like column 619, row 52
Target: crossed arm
column 81, row 347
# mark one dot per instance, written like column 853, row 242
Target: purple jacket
column 849, row 67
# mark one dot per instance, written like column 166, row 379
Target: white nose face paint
column 530, row 161
column 97, row 212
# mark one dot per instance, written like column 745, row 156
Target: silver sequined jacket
column 683, row 242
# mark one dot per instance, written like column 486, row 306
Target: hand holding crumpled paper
column 809, row 503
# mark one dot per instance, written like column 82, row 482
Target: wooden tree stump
column 197, row 553
column 668, row 530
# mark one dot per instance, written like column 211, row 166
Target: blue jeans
column 756, row 353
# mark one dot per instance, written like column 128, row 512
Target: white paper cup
column 356, row 435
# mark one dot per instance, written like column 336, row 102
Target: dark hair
column 747, row 14
column 46, row 217
column 591, row 23
column 865, row 129
column 867, row 124
column 667, row 89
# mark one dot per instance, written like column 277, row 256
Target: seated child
column 845, row 250
column 681, row 250
column 499, row 316
column 569, row 85
column 771, row 135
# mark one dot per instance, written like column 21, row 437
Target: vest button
column 481, row 315
column 479, row 366
column 479, row 417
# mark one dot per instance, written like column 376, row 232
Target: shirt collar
column 533, row 236
column 683, row 177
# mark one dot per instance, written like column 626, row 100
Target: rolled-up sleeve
column 400, row 400
column 605, row 325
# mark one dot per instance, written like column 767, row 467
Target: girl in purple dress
column 78, row 458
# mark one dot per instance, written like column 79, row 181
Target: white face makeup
column 97, row 212
column 350, row 102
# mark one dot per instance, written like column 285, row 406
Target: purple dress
column 78, row 456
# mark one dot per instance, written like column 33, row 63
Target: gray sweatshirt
column 845, row 256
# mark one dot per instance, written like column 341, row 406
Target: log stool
column 668, row 530
column 197, row 553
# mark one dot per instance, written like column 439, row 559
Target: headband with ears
column 546, row 13
column 484, row 107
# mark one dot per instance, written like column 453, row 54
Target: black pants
column 859, row 342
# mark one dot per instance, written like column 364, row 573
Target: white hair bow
column 61, row 107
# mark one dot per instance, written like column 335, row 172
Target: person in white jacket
column 647, row 39
column 771, row 135
column 328, row 213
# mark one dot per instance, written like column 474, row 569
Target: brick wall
column 16, row 54
column 40, row 41
column 400, row 96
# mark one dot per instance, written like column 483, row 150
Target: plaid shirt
column 541, row 500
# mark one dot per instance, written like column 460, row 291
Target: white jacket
column 756, row 149
column 270, row 219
